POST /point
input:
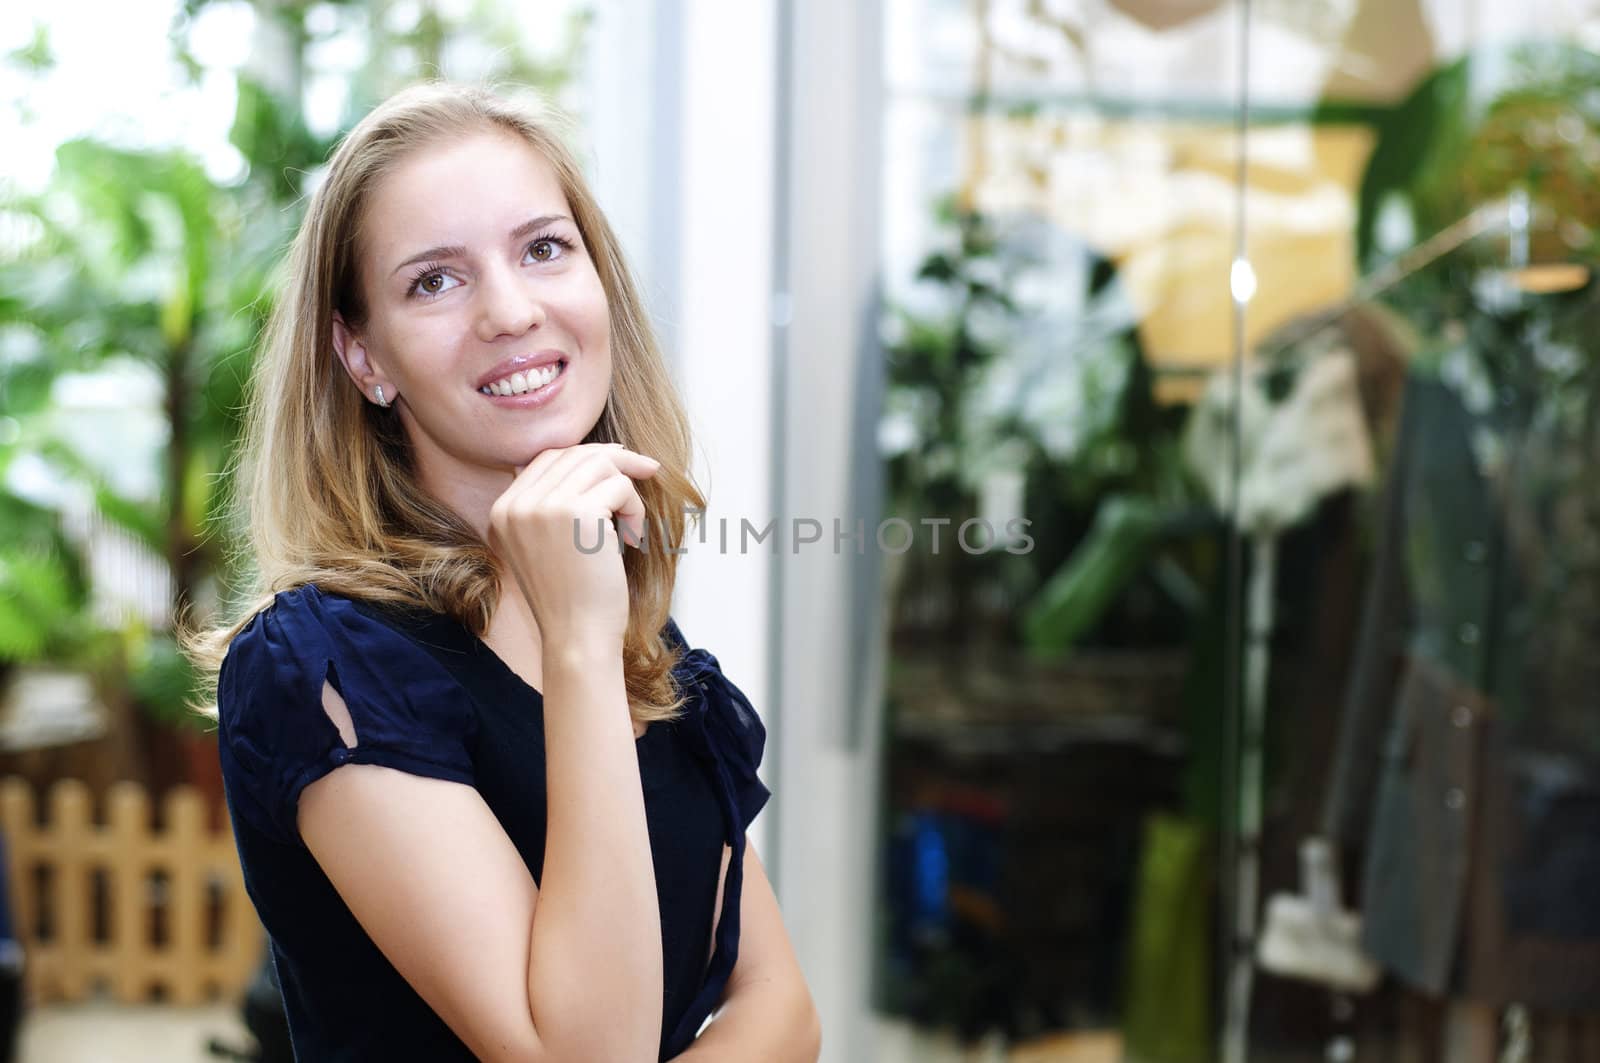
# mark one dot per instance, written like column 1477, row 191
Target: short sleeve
column 274, row 735
column 728, row 722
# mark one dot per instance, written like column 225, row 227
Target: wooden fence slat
column 128, row 831
column 17, row 819
column 72, row 828
column 67, row 964
column 186, row 884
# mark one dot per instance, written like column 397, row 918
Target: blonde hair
column 325, row 485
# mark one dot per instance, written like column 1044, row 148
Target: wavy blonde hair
column 325, row 483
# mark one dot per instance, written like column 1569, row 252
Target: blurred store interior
column 1216, row 384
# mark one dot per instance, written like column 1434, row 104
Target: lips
column 522, row 383
column 522, row 363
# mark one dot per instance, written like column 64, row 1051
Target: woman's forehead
column 470, row 193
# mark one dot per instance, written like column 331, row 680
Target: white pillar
column 736, row 150
column 679, row 102
column 829, row 657
column 723, row 344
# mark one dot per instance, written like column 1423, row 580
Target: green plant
column 1016, row 354
column 42, row 589
column 137, row 259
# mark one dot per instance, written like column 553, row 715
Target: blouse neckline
column 467, row 641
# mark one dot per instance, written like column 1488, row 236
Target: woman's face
column 478, row 288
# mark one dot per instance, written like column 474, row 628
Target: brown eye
column 552, row 248
column 428, row 283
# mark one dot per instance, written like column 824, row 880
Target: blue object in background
column 930, row 873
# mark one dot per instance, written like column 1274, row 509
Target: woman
column 487, row 801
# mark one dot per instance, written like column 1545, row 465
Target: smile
column 522, row 383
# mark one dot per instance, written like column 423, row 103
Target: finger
column 568, row 481
column 618, row 497
column 632, row 463
column 525, row 488
column 563, row 484
column 549, row 468
column 612, row 498
column 579, row 449
column 565, row 457
column 532, row 470
column 554, row 477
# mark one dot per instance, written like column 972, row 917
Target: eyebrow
column 456, row 250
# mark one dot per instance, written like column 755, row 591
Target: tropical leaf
column 38, row 601
column 275, row 139
column 1071, row 601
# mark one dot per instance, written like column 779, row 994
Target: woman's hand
column 553, row 529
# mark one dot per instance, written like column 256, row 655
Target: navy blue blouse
column 427, row 696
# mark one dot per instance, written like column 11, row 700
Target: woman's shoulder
column 307, row 620
column 405, row 710
column 306, row 636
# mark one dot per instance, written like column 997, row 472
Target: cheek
column 593, row 311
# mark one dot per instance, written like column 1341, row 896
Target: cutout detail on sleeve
column 276, row 734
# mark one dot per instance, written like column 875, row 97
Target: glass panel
column 1265, row 735
column 1432, row 754
column 1060, row 198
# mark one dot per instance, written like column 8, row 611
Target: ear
column 358, row 361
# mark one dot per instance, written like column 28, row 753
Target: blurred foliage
column 36, row 55
column 1017, row 354
column 135, row 256
column 160, row 678
column 138, row 257
column 1510, row 117
column 397, row 44
column 42, row 586
column 276, row 140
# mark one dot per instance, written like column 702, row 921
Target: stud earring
column 381, row 400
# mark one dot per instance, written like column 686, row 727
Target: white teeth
column 521, row 383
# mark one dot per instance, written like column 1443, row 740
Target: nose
column 507, row 303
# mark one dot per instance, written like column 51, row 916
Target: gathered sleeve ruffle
column 274, row 735
column 723, row 729
column 723, row 721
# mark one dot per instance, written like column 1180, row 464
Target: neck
column 468, row 492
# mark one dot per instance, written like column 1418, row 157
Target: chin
column 546, row 441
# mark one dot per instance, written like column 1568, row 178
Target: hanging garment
column 1469, row 756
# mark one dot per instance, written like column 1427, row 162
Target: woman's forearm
column 595, row 966
column 769, row 1021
